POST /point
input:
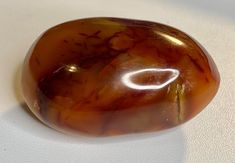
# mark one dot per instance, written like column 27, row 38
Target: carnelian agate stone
column 111, row 76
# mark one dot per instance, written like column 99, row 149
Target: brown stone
column 110, row 76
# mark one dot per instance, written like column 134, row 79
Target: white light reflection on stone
column 126, row 78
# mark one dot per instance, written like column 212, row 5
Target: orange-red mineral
column 110, row 76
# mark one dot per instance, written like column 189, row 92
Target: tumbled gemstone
column 111, row 76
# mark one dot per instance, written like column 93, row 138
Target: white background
column 208, row 138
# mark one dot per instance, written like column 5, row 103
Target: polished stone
column 110, row 76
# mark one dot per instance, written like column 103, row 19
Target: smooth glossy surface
column 109, row 76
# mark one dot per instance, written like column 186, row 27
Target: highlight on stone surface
column 112, row 76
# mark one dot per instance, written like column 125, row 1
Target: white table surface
column 208, row 138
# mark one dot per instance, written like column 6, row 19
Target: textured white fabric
column 208, row 138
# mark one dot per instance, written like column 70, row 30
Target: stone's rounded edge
column 27, row 80
column 28, row 97
column 211, row 62
column 213, row 69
